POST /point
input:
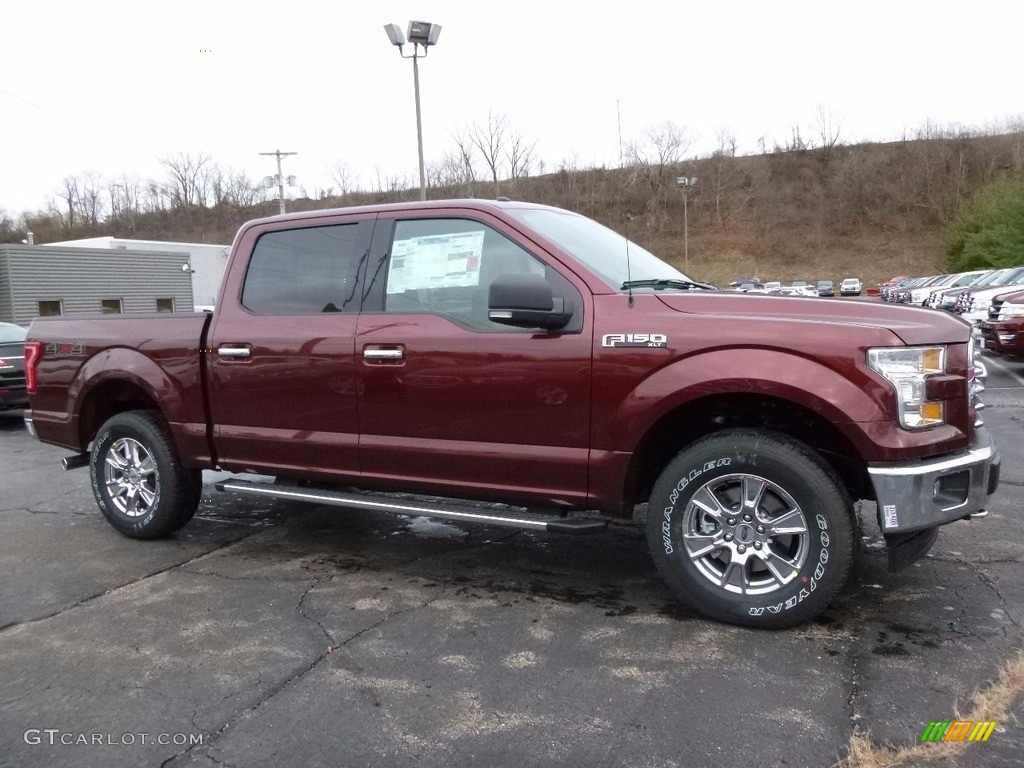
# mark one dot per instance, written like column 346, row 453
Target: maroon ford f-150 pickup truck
column 518, row 353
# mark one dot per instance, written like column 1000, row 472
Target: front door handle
column 234, row 352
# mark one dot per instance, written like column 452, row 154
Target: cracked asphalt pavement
column 268, row 634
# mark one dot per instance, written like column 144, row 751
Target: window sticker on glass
column 436, row 261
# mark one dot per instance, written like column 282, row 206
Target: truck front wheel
column 138, row 480
column 751, row 527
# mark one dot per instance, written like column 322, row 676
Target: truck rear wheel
column 138, row 480
column 751, row 527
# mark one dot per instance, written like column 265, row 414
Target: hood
column 1014, row 297
column 913, row 325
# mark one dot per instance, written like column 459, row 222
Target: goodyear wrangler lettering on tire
column 735, row 538
column 674, row 496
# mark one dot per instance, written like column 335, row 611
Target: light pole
column 687, row 184
column 280, row 179
column 421, row 34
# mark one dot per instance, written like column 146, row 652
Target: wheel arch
column 109, row 398
column 703, row 416
column 121, row 379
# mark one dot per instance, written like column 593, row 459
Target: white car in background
column 798, row 288
column 850, row 287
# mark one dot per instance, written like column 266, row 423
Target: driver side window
column 446, row 267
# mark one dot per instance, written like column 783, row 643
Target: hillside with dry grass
column 859, row 210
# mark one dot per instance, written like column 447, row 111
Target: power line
column 36, row 106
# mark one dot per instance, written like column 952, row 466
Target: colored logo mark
column 959, row 730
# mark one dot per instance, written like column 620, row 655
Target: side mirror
column 525, row 300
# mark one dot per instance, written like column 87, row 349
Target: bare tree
column 187, row 182
column 70, row 193
column 467, row 162
column 91, row 199
column 796, row 143
column 345, row 179
column 725, row 172
column 230, row 187
column 519, row 154
column 452, row 170
column 827, row 125
column 125, row 199
column 491, row 140
column 655, row 157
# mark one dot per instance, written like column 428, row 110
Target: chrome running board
column 425, row 508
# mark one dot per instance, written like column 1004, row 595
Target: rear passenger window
column 303, row 271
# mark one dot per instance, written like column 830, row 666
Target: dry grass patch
column 993, row 703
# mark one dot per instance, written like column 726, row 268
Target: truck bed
column 144, row 359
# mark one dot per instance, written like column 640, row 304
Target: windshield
column 1009, row 277
column 601, row 249
column 11, row 333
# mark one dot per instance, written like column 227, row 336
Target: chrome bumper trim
column 910, row 494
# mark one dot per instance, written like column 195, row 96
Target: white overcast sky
column 110, row 86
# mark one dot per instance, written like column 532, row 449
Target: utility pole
column 686, row 184
column 618, row 112
column 280, row 179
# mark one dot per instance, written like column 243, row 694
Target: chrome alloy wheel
column 131, row 477
column 745, row 534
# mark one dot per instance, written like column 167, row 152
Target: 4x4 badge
column 634, row 340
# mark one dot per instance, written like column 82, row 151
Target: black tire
column 717, row 562
column 138, row 480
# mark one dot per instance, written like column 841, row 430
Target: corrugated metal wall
column 6, row 312
column 82, row 277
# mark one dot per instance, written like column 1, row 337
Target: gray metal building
column 208, row 260
column 47, row 280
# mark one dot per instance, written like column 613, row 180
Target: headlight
column 907, row 368
column 1012, row 310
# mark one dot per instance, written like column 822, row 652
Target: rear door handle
column 384, row 354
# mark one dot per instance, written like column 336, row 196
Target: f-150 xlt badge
column 634, row 340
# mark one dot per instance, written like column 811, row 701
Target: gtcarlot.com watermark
column 55, row 736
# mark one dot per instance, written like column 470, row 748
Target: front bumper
column 916, row 495
column 1002, row 337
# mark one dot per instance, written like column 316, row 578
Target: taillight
column 33, row 354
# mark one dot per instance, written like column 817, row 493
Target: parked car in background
column 901, row 295
column 974, row 303
column 750, row 288
column 739, row 282
column 1003, row 331
column 964, row 280
column 773, row 286
column 12, row 367
column 919, row 295
column 850, row 287
column 798, row 288
column 826, row 288
column 890, row 292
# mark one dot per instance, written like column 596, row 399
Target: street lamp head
column 395, row 34
column 686, row 182
column 424, row 33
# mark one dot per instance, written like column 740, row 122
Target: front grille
column 975, row 386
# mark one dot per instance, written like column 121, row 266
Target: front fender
column 858, row 404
